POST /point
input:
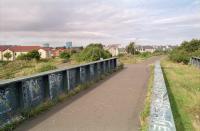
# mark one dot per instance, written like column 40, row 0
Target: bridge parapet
column 161, row 118
column 195, row 61
column 30, row 91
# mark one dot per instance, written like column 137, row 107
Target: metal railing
column 195, row 61
column 161, row 118
column 28, row 92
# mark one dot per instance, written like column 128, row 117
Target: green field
column 183, row 83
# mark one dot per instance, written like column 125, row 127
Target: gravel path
column 112, row 105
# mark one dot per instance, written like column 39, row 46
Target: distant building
column 15, row 51
column 76, row 49
column 165, row 48
column 142, row 49
column 2, row 49
column 122, row 50
column 115, row 49
column 46, row 45
column 56, row 51
column 151, row 49
column 69, row 44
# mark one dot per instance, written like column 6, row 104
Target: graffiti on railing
column 32, row 91
column 55, row 84
column 4, row 101
column 161, row 118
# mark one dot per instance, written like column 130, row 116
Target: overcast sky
column 107, row 21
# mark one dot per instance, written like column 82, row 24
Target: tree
column 93, row 52
column 64, row 55
column 131, row 48
column 7, row 55
column 34, row 54
column 183, row 53
column 191, row 46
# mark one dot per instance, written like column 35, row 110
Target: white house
column 142, row 49
column 115, row 49
column 15, row 51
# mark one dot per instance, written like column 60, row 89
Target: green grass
column 183, row 84
column 133, row 59
column 144, row 115
column 23, row 68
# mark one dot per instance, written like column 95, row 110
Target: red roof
column 46, row 48
column 24, row 48
column 2, row 48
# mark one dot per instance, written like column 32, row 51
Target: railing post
column 68, row 81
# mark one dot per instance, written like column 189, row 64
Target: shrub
column 64, row 55
column 179, row 56
column 131, row 48
column 34, row 54
column 145, row 54
column 7, row 55
column 22, row 57
column 187, row 49
column 121, row 55
column 92, row 52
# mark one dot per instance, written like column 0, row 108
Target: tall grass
column 132, row 59
column 22, row 68
column 183, row 84
column 144, row 115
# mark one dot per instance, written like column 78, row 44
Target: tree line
column 185, row 51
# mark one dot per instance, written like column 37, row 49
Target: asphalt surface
column 112, row 105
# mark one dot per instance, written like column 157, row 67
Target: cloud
column 98, row 20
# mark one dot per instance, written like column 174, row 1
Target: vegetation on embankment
column 183, row 53
column 140, row 57
column 144, row 115
column 183, row 84
column 30, row 63
column 92, row 52
column 133, row 56
column 23, row 67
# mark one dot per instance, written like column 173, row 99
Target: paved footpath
column 112, row 105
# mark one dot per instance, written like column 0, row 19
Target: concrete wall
column 195, row 61
column 161, row 118
column 24, row 93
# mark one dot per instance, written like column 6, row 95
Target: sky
column 154, row 22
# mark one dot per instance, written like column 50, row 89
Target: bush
column 64, row 55
column 92, row 52
column 121, row 55
column 187, row 49
column 7, row 55
column 180, row 56
column 145, row 54
column 34, row 54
